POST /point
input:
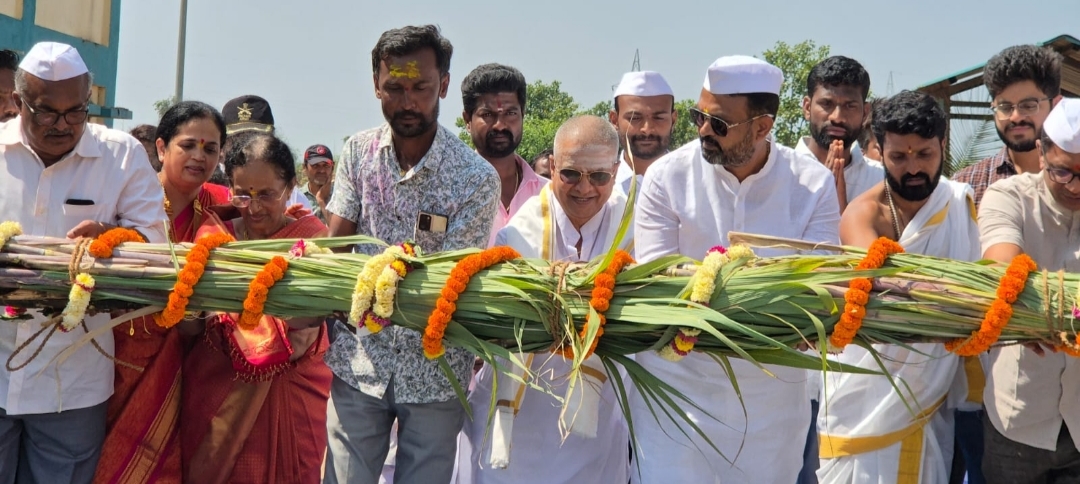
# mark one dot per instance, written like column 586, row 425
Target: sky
column 312, row 60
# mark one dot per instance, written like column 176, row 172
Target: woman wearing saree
column 142, row 442
column 254, row 405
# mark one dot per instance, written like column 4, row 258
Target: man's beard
column 490, row 148
column 1020, row 146
column 663, row 143
column 425, row 123
column 824, row 139
column 914, row 193
column 736, row 156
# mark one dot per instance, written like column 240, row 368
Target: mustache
column 646, row 137
column 406, row 114
column 1021, row 123
column 918, row 176
column 57, row 132
column 505, row 132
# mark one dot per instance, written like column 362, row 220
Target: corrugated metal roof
column 1067, row 45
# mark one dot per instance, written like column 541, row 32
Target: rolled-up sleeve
column 141, row 205
column 1000, row 218
column 345, row 201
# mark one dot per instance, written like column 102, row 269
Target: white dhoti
column 868, row 433
column 532, row 439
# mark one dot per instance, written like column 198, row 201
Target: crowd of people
column 316, row 399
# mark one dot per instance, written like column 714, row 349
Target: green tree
column 796, row 62
column 601, row 109
column 684, row 130
column 163, row 105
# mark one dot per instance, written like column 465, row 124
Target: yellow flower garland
column 78, row 302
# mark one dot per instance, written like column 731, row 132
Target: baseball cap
column 318, row 154
column 248, row 113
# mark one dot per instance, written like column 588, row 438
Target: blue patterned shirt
column 371, row 190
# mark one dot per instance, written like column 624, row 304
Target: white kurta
column 625, row 175
column 538, row 453
column 687, row 206
column 859, row 176
column 862, row 406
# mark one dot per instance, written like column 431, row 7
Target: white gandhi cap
column 1062, row 125
column 644, row 84
column 53, row 61
column 741, row 74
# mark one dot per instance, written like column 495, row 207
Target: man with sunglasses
column 1032, row 396
column 65, row 178
column 1024, row 83
column 868, row 432
column 644, row 115
column 574, row 219
column 736, row 179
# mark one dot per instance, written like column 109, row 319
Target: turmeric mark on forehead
column 410, row 70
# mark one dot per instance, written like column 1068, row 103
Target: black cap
column 318, row 154
column 248, row 113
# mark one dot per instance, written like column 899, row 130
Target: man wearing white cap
column 524, row 443
column 66, row 178
column 1032, row 396
column 870, row 431
column 644, row 116
column 736, row 179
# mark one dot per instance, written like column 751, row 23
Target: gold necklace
column 892, row 210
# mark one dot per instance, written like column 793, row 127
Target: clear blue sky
column 312, row 59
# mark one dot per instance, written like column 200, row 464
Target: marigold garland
column 858, row 293
column 8, row 230
column 259, row 288
column 1009, row 289
column 194, row 266
column 102, row 247
column 376, row 287
column 456, row 283
column 364, row 291
column 600, row 300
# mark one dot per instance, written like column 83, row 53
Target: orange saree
column 142, row 442
column 254, row 409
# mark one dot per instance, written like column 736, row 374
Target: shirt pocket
column 75, row 214
column 430, row 242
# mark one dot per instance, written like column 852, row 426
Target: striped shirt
column 984, row 173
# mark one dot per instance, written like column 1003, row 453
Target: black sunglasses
column 719, row 126
column 571, row 176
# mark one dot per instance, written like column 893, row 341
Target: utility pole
column 179, row 94
column 637, row 61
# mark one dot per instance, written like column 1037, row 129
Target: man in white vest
column 736, row 179
column 574, row 219
column 870, row 431
column 644, row 115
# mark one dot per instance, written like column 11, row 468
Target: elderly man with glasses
column 65, row 178
column 574, row 218
column 736, row 179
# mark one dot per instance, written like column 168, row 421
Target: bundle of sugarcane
column 758, row 309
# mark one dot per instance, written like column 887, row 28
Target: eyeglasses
column 1027, row 107
column 46, row 118
column 244, row 201
column 571, row 176
column 1061, row 175
column 719, row 126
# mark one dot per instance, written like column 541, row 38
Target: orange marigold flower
column 445, row 306
column 102, row 247
column 861, row 284
column 857, row 297
column 600, row 304
column 448, row 294
column 997, row 317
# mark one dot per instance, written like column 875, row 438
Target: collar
column 386, row 142
column 770, row 162
column 589, row 233
column 1002, row 163
column 858, row 161
column 88, row 146
column 528, row 175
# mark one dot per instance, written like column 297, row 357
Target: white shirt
column 109, row 168
column 624, row 175
column 298, row 197
column 687, row 206
column 859, row 176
